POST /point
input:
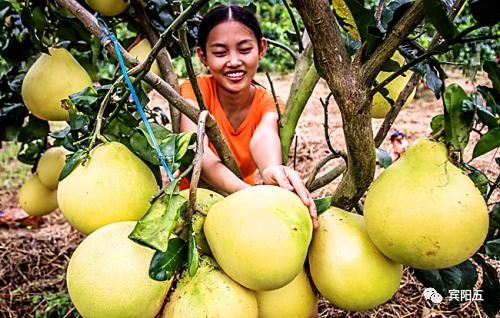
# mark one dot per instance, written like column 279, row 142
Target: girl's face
column 232, row 55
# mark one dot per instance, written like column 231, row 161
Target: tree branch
column 295, row 25
column 327, row 177
column 163, row 58
column 284, row 47
column 412, row 17
column 175, row 100
column 186, row 54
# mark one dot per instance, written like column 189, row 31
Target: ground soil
column 33, row 257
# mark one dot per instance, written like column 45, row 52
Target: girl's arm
column 265, row 149
column 213, row 171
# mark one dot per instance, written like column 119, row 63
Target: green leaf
column 457, row 119
column 140, row 146
column 492, row 248
column 390, row 66
column 433, row 81
column 383, row 158
column 60, row 134
column 160, row 133
column 322, row 204
column 27, row 18
column 488, row 142
column 485, row 12
column 480, row 180
column 493, row 71
column 30, row 152
column 487, row 118
column 363, row 17
column 155, row 228
column 494, row 224
column 462, row 276
column 437, row 123
column 164, row 265
column 436, row 13
column 72, row 162
column 35, row 128
column 490, row 287
column 193, row 255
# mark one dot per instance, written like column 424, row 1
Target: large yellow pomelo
column 141, row 52
column 50, row 166
column 345, row 265
column 260, row 236
column 108, row 277
column 114, row 185
column 380, row 105
column 108, row 8
column 294, row 300
column 35, row 198
column 424, row 212
column 210, row 294
column 51, row 79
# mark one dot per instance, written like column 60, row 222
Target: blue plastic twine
column 110, row 36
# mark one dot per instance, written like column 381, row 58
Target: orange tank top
column 239, row 140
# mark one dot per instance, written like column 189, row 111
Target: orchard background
column 34, row 251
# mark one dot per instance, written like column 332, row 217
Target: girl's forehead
column 228, row 31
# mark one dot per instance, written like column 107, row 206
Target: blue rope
column 110, row 36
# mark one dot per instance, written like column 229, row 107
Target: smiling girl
column 230, row 45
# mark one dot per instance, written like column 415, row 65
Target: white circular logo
column 432, row 295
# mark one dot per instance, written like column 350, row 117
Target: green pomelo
column 424, row 212
column 114, row 185
column 141, row 51
column 345, row 265
column 210, row 294
column 294, row 300
column 108, row 8
column 260, row 236
column 50, row 166
column 35, row 198
column 107, row 276
column 380, row 104
column 51, row 79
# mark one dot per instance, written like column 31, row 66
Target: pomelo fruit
column 108, row 8
column 380, row 105
column 141, row 51
column 107, row 276
column 51, row 79
column 294, row 300
column 114, row 185
column 211, row 294
column 345, row 265
column 259, row 236
column 35, row 198
column 424, row 212
column 50, row 166
column 204, row 199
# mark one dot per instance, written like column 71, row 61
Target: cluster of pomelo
column 421, row 212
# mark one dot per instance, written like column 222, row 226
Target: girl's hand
column 289, row 179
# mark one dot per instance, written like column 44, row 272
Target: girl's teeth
column 235, row 74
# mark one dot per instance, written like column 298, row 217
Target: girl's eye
column 219, row 54
column 245, row 51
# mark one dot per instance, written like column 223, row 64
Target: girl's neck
column 235, row 102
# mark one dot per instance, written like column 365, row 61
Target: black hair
column 223, row 13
